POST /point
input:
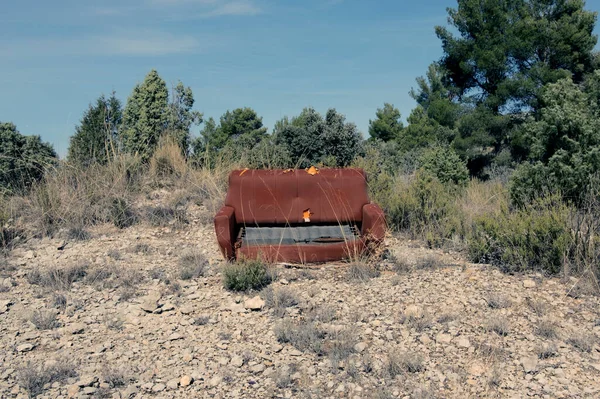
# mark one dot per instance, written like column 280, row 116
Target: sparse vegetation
column 497, row 301
column 192, row 264
column 361, row 271
column 279, row 299
column 546, row 351
column 546, row 329
column 35, row 378
column 499, row 325
column 583, row 342
column 246, row 275
column 44, row 319
column 398, row 363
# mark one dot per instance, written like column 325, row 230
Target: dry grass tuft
column 361, row 271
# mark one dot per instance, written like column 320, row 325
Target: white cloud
column 240, row 7
column 138, row 43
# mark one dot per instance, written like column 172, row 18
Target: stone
column 25, row 347
column 442, row 338
column 72, row 390
column 255, row 303
column 76, row 328
column 215, row 381
column 186, row 380
column 360, row 347
column 528, row 283
column 237, row 361
column 175, row 337
column 149, row 303
column 86, row 380
column 173, row 384
column 529, row 364
column 89, row 390
column 424, row 339
column 476, row 369
column 158, row 387
column 258, row 368
column 463, row 342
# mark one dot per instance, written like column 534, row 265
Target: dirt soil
column 124, row 324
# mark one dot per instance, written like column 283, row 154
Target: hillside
column 138, row 313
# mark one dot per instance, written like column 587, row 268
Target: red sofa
column 298, row 215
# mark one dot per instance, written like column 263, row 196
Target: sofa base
column 304, row 253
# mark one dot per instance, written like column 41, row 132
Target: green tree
column 435, row 96
column 95, row 138
column 182, row 117
column 564, row 142
column 146, row 116
column 388, row 125
column 23, row 159
column 311, row 139
column 507, row 50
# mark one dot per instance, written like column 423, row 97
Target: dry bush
column 420, row 324
column 583, row 342
column 340, row 345
column 546, row 329
column 304, row 335
column 34, row 378
column 44, row 320
column 361, row 271
column 279, row 299
column 403, row 362
column 499, row 325
column 167, row 162
column 497, row 301
column 546, row 351
column 80, row 197
column 192, row 264
column 57, row 279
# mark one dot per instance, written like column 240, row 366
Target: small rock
column 72, row 390
column 89, row 390
column 86, row 381
column 425, row 340
column 443, row 338
column 76, row 328
column 463, row 342
column 528, row 283
column 476, row 369
column 186, row 380
column 361, row 346
column 173, row 384
column 215, row 381
column 158, row 387
column 257, row 369
column 529, row 364
column 25, row 347
column 149, row 303
column 255, row 303
column 175, row 337
column 237, row 361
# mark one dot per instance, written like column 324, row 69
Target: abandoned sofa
column 298, row 216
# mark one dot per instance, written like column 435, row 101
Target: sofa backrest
column 285, row 196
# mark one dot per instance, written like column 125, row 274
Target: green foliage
column 506, row 50
column 436, row 97
column 445, row 164
column 424, row 208
column 535, row 237
column 95, row 139
column 146, row 116
column 246, row 275
column 23, row 159
column 388, row 125
column 563, row 142
column 311, row 139
column 182, row 117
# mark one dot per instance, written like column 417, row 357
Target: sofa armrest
column 373, row 223
column 225, row 229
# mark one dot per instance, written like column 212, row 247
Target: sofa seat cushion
column 299, row 235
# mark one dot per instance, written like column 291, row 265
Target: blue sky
column 276, row 56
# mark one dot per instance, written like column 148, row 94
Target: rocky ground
column 122, row 315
